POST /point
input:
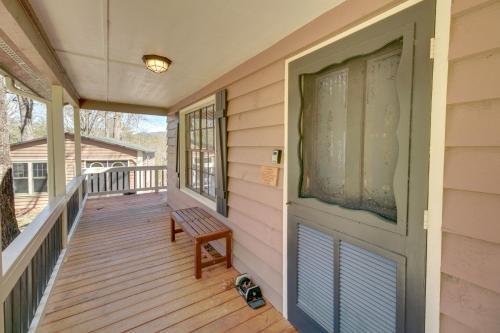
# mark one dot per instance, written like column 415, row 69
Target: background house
column 29, row 160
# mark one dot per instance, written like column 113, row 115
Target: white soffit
column 204, row 39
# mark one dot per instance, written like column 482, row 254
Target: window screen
column 350, row 114
column 39, row 177
column 200, row 151
column 20, row 176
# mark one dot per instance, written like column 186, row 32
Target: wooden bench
column 202, row 228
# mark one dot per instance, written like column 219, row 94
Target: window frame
column 183, row 152
column 203, row 150
column 104, row 163
column 31, row 178
column 14, row 178
column 123, row 164
column 92, row 165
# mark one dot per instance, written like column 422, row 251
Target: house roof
column 109, row 141
column 117, row 142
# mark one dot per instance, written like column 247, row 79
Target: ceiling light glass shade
column 156, row 63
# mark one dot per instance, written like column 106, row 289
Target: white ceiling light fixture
column 156, row 63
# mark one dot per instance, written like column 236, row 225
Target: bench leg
column 172, row 230
column 229, row 251
column 197, row 259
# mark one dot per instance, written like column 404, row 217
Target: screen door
column 359, row 122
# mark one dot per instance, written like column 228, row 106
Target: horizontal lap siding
column 36, row 151
column 92, row 150
column 471, row 227
column 255, row 128
column 256, row 113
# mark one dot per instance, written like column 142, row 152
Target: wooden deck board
column 122, row 273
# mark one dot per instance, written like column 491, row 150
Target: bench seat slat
column 202, row 227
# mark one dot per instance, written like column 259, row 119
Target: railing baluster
column 125, row 179
column 126, row 182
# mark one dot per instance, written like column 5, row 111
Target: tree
column 10, row 229
column 106, row 124
column 117, row 126
column 25, row 106
column 90, row 122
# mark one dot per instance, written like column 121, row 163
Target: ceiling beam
column 22, row 26
column 89, row 104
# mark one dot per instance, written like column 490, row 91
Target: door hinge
column 426, row 219
column 432, row 47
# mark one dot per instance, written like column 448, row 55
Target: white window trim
column 30, row 178
column 182, row 151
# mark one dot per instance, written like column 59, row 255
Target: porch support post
column 2, row 317
column 78, row 146
column 56, row 146
column 78, row 150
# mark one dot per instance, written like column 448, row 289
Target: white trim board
column 438, row 118
column 182, row 151
column 436, row 166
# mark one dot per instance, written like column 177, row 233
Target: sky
column 153, row 124
column 147, row 124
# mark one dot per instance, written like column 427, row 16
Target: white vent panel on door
column 368, row 284
column 316, row 275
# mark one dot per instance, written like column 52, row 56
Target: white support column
column 2, row 318
column 78, row 141
column 57, row 151
column 58, row 140
column 50, row 154
column 78, row 150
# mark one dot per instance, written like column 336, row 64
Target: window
column 200, row 167
column 96, row 165
column 200, row 151
column 21, row 177
column 103, row 164
column 39, row 177
column 30, row 177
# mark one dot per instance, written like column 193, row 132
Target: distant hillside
column 156, row 141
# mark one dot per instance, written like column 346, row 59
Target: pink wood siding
column 471, row 225
column 256, row 127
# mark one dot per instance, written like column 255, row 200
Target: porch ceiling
column 100, row 42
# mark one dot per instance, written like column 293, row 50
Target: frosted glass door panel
column 350, row 117
column 330, row 130
column 380, row 137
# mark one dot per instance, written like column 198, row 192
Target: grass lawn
column 24, row 219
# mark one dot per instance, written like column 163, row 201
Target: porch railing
column 28, row 262
column 73, row 204
column 125, row 179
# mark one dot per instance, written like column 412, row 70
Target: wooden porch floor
column 122, row 273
